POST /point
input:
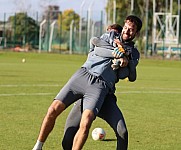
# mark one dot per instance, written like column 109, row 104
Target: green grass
column 151, row 105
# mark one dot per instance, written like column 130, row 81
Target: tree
column 66, row 18
column 24, row 27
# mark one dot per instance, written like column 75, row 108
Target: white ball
column 98, row 134
column 23, row 60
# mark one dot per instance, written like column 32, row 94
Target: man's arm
column 103, row 52
column 130, row 70
column 102, row 48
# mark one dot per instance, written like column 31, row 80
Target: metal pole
column 60, row 33
column 179, row 25
column 89, row 21
column 71, row 37
column 92, row 29
column 80, row 23
column 14, row 36
column 171, row 5
column 4, row 31
column 146, row 33
column 114, row 11
column 108, row 17
column 132, row 6
column 166, row 6
column 153, row 29
column 179, row 8
column 101, row 26
column 36, row 36
column 51, row 35
column 40, row 32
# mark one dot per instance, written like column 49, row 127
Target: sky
column 37, row 5
column 11, row 6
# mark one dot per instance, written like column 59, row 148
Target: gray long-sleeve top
column 100, row 59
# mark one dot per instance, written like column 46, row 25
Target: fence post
column 14, row 35
column 71, row 37
column 146, row 29
column 40, row 34
column 4, row 31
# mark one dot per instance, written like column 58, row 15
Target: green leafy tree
column 66, row 18
column 24, row 27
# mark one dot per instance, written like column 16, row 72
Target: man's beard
column 129, row 39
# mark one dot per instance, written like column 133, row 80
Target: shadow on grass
column 107, row 140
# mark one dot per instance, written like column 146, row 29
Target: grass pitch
column 151, row 105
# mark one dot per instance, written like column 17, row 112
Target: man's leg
column 49, row 121
column 111, row 113
column 72, row 125
column 82, row 134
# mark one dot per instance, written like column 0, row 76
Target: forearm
column 103, row 52
column 102, row 48
column 132, row 71
column 101, row 43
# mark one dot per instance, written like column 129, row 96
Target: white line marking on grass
column 149, row 92
column 126, row 92
column 153, row 88
column 27, row 85
column 26, row 94
column 127, row 87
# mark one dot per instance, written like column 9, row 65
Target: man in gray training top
column 93, row 81
column 110, row 112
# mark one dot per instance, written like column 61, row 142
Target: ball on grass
column 98, row 134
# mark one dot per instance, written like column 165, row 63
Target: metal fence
column 32, row 31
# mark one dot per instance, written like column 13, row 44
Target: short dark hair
column 115, row 26
column 136, row 20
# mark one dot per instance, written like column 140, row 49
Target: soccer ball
column 98, row 134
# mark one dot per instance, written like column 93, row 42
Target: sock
column 38, row 145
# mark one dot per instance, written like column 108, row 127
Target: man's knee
column 122, row 130
column 86, row 120
column 55, row 109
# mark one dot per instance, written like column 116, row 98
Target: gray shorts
column 83, row 84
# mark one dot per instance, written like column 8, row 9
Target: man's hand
column 124, row 62
column 118, row 42
column 121, row 62
column 118, row 52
